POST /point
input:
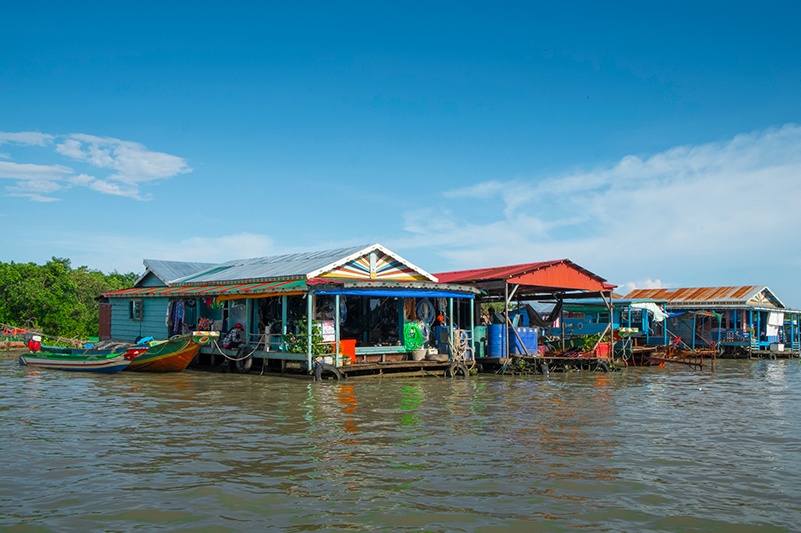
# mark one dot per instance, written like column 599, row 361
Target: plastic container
column 348, row 347
column 602, row 350
column 529, row 338
column 496, row 340
column 419, row 355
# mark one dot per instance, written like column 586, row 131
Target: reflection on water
column 644, row 449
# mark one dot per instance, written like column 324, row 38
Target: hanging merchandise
column 343, row 309
column 178, row 317
column 190, row 313
column 425, row 310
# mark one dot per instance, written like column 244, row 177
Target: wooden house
column 361, row 298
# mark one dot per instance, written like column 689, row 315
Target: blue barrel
column 496, row 340
column 529, row 338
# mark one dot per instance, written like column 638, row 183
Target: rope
column 219, row 350
column 460, row 347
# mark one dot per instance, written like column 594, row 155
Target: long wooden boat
column 172, row 355
column 81, row 361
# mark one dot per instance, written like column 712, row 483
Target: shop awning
column 397, row 293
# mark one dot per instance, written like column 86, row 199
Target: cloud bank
column 114, row 166
column 711, row 204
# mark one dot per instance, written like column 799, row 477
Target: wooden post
column 309, row 324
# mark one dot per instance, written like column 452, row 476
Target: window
column 135, row 309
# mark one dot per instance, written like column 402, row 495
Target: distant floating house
column 737, row 321
column 362, row 297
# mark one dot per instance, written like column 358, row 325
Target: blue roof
column 169, row 271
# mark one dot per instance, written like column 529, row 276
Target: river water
column 644, row 449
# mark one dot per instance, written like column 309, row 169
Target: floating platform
column 374, row 364
column 543, row 364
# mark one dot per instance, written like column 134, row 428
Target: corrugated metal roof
column 553, row 274
column 493, row 273
column 737, row 295
column 217, row 289
column 697, row 294
column 272, row 267
column 169, row 271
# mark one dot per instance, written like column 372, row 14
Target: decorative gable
column 765, row 298
column 374, row 263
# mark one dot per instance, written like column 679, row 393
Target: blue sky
column 653, row 144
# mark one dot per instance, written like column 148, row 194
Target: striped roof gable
column 373, row 263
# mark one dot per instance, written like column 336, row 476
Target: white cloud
column 25, row 138
column 627, row 287
column 132, row 162
column 30, row 171
column 689, row 207
column 125, row 165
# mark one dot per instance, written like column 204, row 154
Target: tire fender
column 320, row 369
column 457, row 368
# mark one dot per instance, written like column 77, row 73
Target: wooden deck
column 396, row 368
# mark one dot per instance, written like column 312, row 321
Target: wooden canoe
column 102, row 362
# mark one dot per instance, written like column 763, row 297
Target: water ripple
column 644, row 449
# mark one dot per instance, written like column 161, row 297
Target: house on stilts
column 357, row 310
column 517, row 329
column 739, row 321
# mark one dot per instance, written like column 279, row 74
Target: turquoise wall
column 153, row 323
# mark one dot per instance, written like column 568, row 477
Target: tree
column 54, row 297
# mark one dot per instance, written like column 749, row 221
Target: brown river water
column 644, row 449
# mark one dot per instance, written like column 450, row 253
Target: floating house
column 741, row 321
column 515, row 332
column 363, row 305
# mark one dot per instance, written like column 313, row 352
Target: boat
column 172, row 355
column 12, row 337
column 80, row 360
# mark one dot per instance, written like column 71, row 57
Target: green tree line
column 55, row 298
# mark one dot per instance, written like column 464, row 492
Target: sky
column 656, row 144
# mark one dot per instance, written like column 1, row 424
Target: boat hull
column 173, row 355
column 81, row 363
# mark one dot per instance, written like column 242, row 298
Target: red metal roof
column 557, row 274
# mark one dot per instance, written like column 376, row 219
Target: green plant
column 299, row 342
column 590, row 341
